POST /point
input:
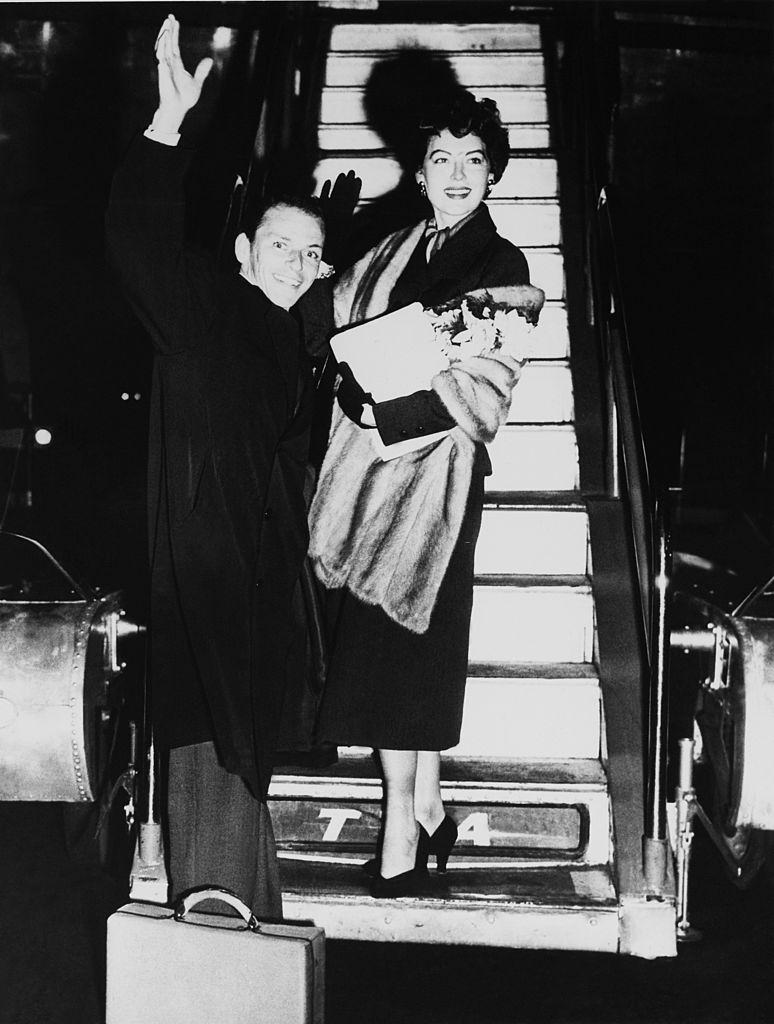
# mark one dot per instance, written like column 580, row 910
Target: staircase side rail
column 630, row 479
column 656, row 837
column 649, row 534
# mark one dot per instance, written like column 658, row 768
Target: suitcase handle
column 190, row 900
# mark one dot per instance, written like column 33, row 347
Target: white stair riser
column 552, row 339
column 543, row 393
column 516, row 105
column 438, row 38
column 523, row 718
column 531, row 624
column 546, row 270
column 527, row 176
column 474, row 71
column 524, row 176
column 348, row 136
column 532, row 542
column 533, row 459
column 527, row 223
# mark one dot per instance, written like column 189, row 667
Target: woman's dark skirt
column 390, row 688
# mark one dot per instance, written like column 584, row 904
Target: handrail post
column 612, row 439
column 655, row 840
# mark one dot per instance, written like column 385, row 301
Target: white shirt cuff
column 165, row 138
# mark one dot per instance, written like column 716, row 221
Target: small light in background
column 125, row 396
column 221, row 38
column 43, row 436
column 137, row 396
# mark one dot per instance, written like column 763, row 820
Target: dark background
column 691, row 156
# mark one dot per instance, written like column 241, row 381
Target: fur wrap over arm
column 477, row 393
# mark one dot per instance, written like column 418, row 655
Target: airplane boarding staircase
column 545, row 858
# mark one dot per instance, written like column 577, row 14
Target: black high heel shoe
column 372, row 867
column 441, row 842
column 407, row 883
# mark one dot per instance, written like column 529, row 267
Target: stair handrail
column 625, row 441
column 651, row 538
column 628, row 472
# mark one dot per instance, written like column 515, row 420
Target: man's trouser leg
column 219, row 834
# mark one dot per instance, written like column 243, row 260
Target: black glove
column 338, row 204
column 351, row 396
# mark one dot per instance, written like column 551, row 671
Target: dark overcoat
column 387, row 687
column 229, row 436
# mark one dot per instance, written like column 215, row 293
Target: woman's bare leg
column 428, row 805
column 401, row 833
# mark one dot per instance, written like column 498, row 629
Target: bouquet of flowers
column 488, row 321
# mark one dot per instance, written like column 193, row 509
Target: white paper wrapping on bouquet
column 391, row 356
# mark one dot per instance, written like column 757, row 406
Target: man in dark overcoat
column 229, row 438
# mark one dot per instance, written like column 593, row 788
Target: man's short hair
column 251, row 221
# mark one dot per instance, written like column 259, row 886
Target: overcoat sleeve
column 169, row 288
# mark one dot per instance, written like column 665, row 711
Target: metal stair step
column 506, row 810
column 349, row 37
column 490, row 833
column 570, row 908
column 535, row 458
column 537, row 619
column 556, row 500
column 538, row 541
column 357, row 767
column 474, row 70
column 517, row 105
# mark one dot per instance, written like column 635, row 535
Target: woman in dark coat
column 393, row 541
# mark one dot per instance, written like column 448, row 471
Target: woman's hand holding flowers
column 496, row 322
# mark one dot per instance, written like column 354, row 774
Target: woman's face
column 456, row 173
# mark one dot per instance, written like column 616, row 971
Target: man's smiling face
column 284, row 257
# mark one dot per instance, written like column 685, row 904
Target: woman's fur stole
column 386, row 530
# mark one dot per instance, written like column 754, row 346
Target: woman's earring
column 489, row 184
column 422, row 189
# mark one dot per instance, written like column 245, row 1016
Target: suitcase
column 166, row 966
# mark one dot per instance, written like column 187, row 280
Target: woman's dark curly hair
column 463, row 114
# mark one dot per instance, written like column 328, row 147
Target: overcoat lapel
column 458, row 259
